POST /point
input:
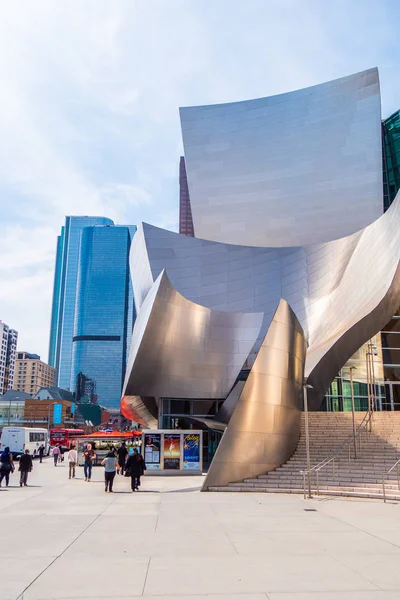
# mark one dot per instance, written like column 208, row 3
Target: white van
column 20, row 439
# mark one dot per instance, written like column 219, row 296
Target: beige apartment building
column 31, row 373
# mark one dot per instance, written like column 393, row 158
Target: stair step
column 329, row 434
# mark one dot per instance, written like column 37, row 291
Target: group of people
column 7, row 466
column 116, row 461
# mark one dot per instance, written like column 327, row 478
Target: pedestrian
column 122, row 453
column 72, row 461
column 110, row 468
column 41, row 452
column 90, row 457
column 25, row 467
column 134, row 468
column 56, row 454
column 6, row 465
column 62, row 453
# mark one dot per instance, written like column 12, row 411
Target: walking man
column 72, row 461
column 122, row 454
column 25, row 467
column 56, row 454
column 90, row 457
column 41, row 452
column 135, row 467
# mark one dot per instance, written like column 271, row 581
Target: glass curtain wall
column 104, row 314
column 63, row 308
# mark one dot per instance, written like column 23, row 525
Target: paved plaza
column 64, row 539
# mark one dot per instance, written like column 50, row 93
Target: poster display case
column 173, row 451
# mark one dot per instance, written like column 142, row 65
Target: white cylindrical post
column 353, row 412
column 307, row 439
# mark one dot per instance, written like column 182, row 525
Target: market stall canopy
column 113, row 434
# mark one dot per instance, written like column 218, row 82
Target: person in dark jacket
column 25, row 467
column 41, row 452
column 122, row 453
column 134, row 468
column 7, row 465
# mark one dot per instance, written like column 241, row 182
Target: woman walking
column 6, row 465
column 110, row 468
column 135, row 467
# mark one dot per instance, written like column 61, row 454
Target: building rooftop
column 12, row 395
column 56, row 393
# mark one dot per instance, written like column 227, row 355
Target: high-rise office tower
column 104, row 315
column 391, row 331
column 8, row 349
column 31, row 373
column 63, row 309
column 185, row 211
column 391, row 157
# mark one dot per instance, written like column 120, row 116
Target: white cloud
column 89, row 107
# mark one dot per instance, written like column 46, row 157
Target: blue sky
column 89, row 107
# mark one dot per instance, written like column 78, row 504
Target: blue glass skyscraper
column 104, row 314
column 63, row 309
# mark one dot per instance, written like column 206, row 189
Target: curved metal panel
column 183, row 350
column 330, row 287
column 140, row 409
column 264, row 429
column 289, row 169
column 330, row 364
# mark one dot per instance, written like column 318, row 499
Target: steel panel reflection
column 170, row 352
column 265, row 426
column 289, row 169
column 328, row 301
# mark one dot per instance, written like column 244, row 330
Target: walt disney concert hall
column 294, row 265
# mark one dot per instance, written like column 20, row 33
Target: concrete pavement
column 62, row 539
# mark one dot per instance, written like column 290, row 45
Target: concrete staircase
column 377, row 452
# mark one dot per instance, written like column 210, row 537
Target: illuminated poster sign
column 191, row 452
column 57, row 414
column 152, row 445
column 172, row 451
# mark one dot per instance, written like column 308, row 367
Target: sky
column 89, row 100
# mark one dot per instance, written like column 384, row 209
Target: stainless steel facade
column 330, row 287
column 310, row 242
column 183, row 350
column 266, row 419
column 288, row 170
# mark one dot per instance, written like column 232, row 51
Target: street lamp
column 353, row 410
column 371, row 352
column 307, row 386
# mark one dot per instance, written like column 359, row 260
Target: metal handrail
column 386, row 473
column 346, row 444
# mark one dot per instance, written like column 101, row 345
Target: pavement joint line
column 21, row 595
column 156, row 525
column 226, row 533
column 145, row 577
column 363, row 531
column 378, row 588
